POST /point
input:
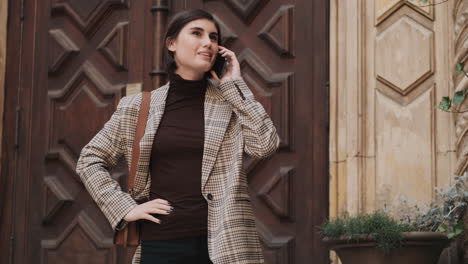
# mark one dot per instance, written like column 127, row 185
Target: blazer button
column 209, row 196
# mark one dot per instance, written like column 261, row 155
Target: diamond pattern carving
column 228, row 36
column 66, row 159
column 400, row 71
column 61, row 49
column 86, row 14
column 272, row 90
column 115, row 46
column 87, row 72
column 87, row 94
column 81, row 233
column 277, row 250
column 56, row 198
column 277, row 194
column 246, row 9
column 385, row 8
column 279, row 32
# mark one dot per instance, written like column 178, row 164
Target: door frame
column 17, row 97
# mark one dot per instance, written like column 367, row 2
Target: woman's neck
column 189, row 75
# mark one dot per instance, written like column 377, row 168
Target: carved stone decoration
column 386, row 8
column 115, row 46
column 86, row 14
column 246, row 9
column 277, row 193
column 277, row 249
column 83, row 231
column 272, row 90
column 279, row 31
column 56, row 198
column 228, row 36
column 405, row 57
column 461, row 132
column 460, row 83
column 461, row 30
column 61, row 49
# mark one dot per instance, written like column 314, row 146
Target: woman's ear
column 170, row 44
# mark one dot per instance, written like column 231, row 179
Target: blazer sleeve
column 260, row 137
column 96, row 158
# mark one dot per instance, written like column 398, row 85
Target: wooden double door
column 70, row 61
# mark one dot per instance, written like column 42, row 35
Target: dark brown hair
column 175, row 26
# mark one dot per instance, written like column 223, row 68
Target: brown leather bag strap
column 140, row 130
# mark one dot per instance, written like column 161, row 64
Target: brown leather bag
column 130, row 235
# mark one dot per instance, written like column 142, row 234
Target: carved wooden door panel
column 75, row 59
column 85, row 54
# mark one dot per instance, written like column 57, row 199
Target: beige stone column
column 391, row 62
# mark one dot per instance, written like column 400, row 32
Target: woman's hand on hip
column 144, row 211
column 232, row 66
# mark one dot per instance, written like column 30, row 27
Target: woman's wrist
column 231, row 79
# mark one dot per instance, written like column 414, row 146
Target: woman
column 192, row 194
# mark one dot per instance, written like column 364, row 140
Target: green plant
column 447, row 102
column 444, row 214
column 386, row 231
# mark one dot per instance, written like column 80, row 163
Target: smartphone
column 219, row 65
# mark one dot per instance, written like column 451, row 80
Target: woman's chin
column 205, row 68
column 205, row 63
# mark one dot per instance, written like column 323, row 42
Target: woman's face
column 195, row 48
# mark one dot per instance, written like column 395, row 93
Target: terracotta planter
column 418, row 248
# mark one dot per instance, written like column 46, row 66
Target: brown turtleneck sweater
column 176, row 162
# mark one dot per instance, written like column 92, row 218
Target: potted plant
column 405, row 234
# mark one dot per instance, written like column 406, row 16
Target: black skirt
column 175, row 251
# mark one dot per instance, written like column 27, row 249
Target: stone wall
column 391, row 62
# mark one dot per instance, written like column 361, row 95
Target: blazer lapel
column 217, row 113
column 157, row 105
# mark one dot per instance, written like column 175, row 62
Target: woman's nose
column 206, row 41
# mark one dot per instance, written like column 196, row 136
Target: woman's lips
column 205, row 56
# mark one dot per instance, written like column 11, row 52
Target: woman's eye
column 196, row 33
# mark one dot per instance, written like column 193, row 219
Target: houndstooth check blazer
column 234, row 123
